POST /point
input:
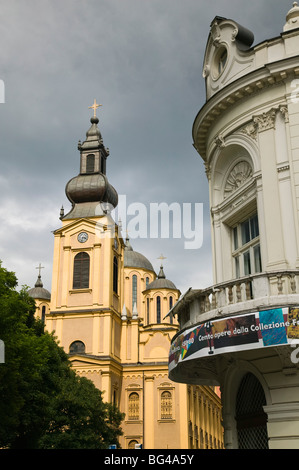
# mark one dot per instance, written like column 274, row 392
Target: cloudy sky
column 140, row 59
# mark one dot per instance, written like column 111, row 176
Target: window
column 103, row 165
column 147, row 310
column 132, row 444
column 133, row 406
column 222, row 61
column 146, row 282
column 90, row 159
column 166, row 405
column 77, row 347
column 81, row 271
column 246, row 248
column 170, row 307
column 43, row 313
column 115, row 275
column 134, row 291
column 219, row 62
column 250, row 418
column 158, row 309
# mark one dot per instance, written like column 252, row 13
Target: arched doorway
column 250, row 417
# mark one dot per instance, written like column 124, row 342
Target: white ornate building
column 241, row 333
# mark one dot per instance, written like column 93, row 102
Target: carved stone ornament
column 265, row 121
column 240, row 173
column 234, row 34
column 206, row 71
column 285, row 112
column 216, row 34
column 250, row 130
column 219, row 141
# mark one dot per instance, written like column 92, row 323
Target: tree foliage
column 43, row 403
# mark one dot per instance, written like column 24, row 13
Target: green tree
column 43, row 403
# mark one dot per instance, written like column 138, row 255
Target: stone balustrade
column 249, row 293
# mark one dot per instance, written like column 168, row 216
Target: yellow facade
column 109, row 309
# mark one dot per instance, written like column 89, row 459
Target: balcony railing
column 262, row 290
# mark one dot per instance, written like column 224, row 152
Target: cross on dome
column 39, row 267
column 94, row 107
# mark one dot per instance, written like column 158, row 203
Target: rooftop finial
column 39, row 267
column 292, row 18
column 94, row 107
column 39, row 279
column 161, row 274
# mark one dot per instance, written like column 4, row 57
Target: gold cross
column 161, row 257
column 94, row 107
column 39, row 267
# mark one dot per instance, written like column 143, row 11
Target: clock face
column 82, row 237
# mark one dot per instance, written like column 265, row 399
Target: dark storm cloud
column 142, row 60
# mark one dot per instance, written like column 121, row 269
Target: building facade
column 242, row 332
column 108, row 309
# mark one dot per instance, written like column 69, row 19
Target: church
column 110, row 312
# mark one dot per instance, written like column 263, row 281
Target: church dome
column 161, row 282
column 91, row 188
column 133, row 259
column 38, row 291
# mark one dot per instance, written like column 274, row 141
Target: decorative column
column 65, row 278
column 149, row 412
column 265, row 123
column 283, row 425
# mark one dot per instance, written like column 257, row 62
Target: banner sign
column 261, row 329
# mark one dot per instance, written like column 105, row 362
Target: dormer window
column 220, row 61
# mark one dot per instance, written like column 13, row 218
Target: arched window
column 90, row 160
column 115, row 274
column 133, row 406
column 250, row 416
column 81, row 271
column 166, row 405
column 170, row 307
column 158, row 309
column 77, row 347
column 147, row 310
column 43, row 313
column 132, row 444
column 146, row 282
column 134, row 291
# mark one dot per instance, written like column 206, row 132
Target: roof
column 161, row 282
column 133, row 259
column 38, row 291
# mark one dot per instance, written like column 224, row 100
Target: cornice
column 251, row 84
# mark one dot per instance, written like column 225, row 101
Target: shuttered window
column 81, row 271
column 166, row 405
column 133, row 406
column 90, row 163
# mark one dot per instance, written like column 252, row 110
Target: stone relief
column 266, row 120
column 240, row 173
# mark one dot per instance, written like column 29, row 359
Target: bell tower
column 86, row 291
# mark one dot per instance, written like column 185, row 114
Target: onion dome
column 38, row 291
column 133, row 259
column 91, row 187
column 292, row 18
column 161, row 282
